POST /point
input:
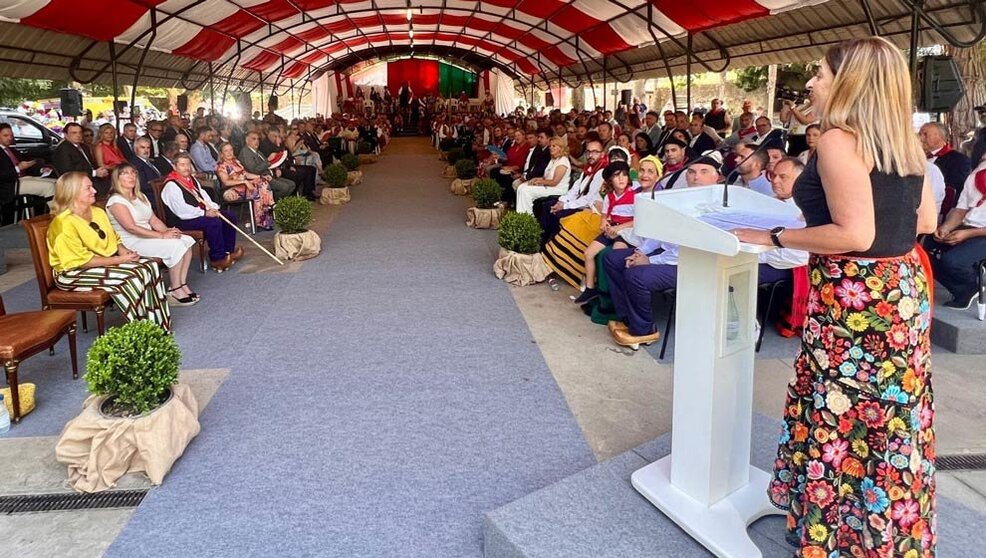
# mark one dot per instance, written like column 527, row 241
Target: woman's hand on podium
column 753, row 236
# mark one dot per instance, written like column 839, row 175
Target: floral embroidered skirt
column 855, row 465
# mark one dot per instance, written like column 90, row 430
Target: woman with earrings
column 85, row 253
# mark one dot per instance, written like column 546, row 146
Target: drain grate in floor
column 29, row 503
column 959, row 462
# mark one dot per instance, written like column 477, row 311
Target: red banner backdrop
column 422, row 75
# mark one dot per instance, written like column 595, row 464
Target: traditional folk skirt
column 565, row 252
column 855, row 466
column 136, row 288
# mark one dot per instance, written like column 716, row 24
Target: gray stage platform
column 596, row 513
column 959, row 331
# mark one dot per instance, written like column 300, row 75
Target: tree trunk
column 972, row 67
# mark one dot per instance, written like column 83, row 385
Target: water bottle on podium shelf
column 732, row 318
column 4, row 417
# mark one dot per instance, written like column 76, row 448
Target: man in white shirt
column 579, row 196
column 960, row 243
column 751, row 170
column 201, row 152
column 635, row 274
column 190, row 208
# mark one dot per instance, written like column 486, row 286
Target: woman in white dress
column 554, row 183
column 142, row 232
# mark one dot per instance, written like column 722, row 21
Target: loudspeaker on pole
column 940, row 84
column 71, row 102
column 182, row 103
column 626, row 96
column 272, row 103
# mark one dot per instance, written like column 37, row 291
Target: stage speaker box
column 626, row 96
column 940, row 84
column 272, row 103
column 183, row 103
column 549, row 99
column 71, row 102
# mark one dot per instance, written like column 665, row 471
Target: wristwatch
column 775, row 236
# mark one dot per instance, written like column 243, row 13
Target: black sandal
column 184, row 301
column 191, row 293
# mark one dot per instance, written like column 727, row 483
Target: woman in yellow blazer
column 85, row 253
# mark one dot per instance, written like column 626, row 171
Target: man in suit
column 701, row 140
column 175, row 129
column 256, row 163
column 146, row 169
column 954, row 165
column 202, row 151
column 303, row 176
column 165, row 161
column 126, row 141
column 16, row 176
column 155, row 129
column 73, row 155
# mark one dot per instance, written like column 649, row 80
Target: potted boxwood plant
column 294, row 241
column 354, row 176
column 488, row 212
column 519, row 262
column 465, row 171
column 454, row 155
column 366, row 154
column 139, row 418
column 336, row 192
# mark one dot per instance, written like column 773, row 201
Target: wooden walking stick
column 205, row 207
column 248, row 237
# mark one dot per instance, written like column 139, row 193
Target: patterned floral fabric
column 262, row 197
column 856, row 462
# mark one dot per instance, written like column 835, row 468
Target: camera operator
column 796, row 120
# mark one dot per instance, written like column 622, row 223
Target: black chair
column 239, row 205
column 771, row 289
column 982, row 291
column 667, row 297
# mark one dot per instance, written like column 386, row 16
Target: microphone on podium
column 775, row 135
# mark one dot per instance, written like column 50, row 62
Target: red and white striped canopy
column 296, row 37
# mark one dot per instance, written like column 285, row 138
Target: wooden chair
column 26, row 334
column 199, row 238
column 51, row 296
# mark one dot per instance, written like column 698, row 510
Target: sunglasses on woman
column 95, row 226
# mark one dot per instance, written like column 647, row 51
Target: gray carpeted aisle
column 381, row 400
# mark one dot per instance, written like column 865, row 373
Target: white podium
column 707, row 485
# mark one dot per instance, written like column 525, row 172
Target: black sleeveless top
column 895, row 206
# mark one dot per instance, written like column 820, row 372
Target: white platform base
column 721, row 528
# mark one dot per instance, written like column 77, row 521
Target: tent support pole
column 116, row 87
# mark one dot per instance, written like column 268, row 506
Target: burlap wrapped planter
column 442, row 156
column 478, row 218
column 334, row 196
column 354, row 178
column 461, row 187
column 99, row 449
column 367, row 158
column 520, row 269
column 449, row 172
column 297, row 246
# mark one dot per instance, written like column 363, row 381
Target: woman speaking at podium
column 856, row 459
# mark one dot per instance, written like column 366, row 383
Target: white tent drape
column 323, row 101
column 503, row 91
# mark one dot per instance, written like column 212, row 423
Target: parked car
column 32, row 139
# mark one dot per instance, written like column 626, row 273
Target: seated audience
column 554, row 182
column 579, row 196
column 19, row 177
column 126, row 141
column 85, row 253
column 617, row 214
column 73, row 155
column 188, row 207
column 812, row 133
column 202, row 151
column 133, row 219
column 745, row 132
column 675, row 161
column 238, row 184
column 146, row 169
column 107, row 153
column 303, row 176
column 960, row 243
column 256, row 163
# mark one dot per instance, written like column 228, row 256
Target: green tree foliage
column 790, row 76
column 14, row 91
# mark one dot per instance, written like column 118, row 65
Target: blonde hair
column 67, row 189
column 560, row 143
column 117, row 188
column 871, row 99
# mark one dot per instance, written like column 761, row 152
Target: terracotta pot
column 478, row 218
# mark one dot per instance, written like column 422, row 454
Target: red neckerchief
column 945, row 150
column 187, row 184
column 981, row 186
column 669, row 168
column 600, row 165
column 747, row 132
